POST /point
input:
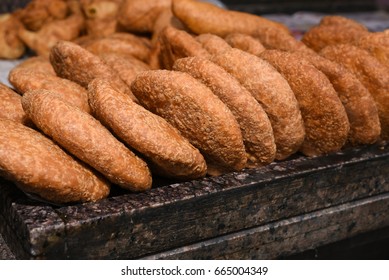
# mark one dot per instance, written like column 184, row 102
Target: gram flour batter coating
column 87, row 139
column 11, row 105
column 325, row 119
column 166, row 149
column 213, row 43
column 245, row 43
column 253, row 121
column 273, row 92
column 38, row 166
column 197, row 113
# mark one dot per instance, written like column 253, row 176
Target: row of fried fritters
column 197, row 98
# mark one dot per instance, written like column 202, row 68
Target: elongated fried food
column 372, row 74
column 165, row 148
column 141, row 15
column 119, row 43
column 11, row 47
column 165, row 19
column 177, row 44
column 127, row 67
column 272, row 91
column 202, row 17
column 41, row 41
column 245, row 43
column 37, row 64
column 377, row 44
column 325, row 119
column 256, row 129
column 24, row 80
column 40, row 167
column 11, row 105
column 333, row 30
column 87, row 139
column 197, row 113
column 365, row 127
column 101, row 16
column 74, row 63
column 213, row 43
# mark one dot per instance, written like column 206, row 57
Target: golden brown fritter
column 11, row 106
column 245, row 43
column 37, row 64
column 377, row 44
column 38, row 166
column 140, row 15
column 253, row 121
column 87, row 139
column 170, row 154
column 202, row 17
column 24, row 80
column 373, row 75
column 333, row 30
column 164, row 19
column 197, row 113
column 75, row 63
column 175, row 44
column 212, row 43
column 362, row 113
column 11, row 47
column 325, row 119
column 272, row 91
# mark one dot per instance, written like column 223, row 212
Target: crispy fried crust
column 25, row 79
column 126, row 66
column 373, row 75
column 254, row 123
column 197, row 113
column 202, row 17
column 37, row 64
column 175, row 44
column 75, row 63
column 212, row 43
column 272, row 91
column 11, row 46
column 170, row 153
column 365, row 127
column 119, row 43
column 333, row 30
column 325, row 119
column 141, row 15
column 87, row 139
column 245, row 43
column 39, row 166
column 377, row 44
column 11, row 106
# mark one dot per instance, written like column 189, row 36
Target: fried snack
column 197, row 113
column 362, row 113
column 170, row 154
column 272, row 39
column 201, row 17
column 140, row 15
column 177, row 44
column 38, row 13
column 325, row 119
column 11, row 106
column 87, row 139
column 75, row 63
column 155, row 53
column 372, row 74
column 272, row 91
column 213, row 43
column 245, row 43
column 377, row 44
column 24, row 80
column 40, row 167
column 256, row 128
column 165, row 18
column 38, row 64
column 333, row 30
column 101, row 16
column 11, row 47
column 119, row 43
column 127, row 67
column 42, row 41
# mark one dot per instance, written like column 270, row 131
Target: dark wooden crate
column 272, row 212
